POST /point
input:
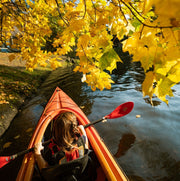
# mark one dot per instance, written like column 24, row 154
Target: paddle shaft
column 94, row 122
column 47, row 142
column 28, row 151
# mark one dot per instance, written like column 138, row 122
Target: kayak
column 60, row 102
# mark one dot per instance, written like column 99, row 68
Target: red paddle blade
column 121, row 110
column 4, row 160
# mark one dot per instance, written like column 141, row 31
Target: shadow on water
column 125, row 144
column 147, row 148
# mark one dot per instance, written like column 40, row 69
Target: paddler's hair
column 65, row 130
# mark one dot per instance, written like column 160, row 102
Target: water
column 145, row 142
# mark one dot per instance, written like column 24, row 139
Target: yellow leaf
column 83, row 41
column 147, row 86
column 16, row 137
column 6, row 145
column 112, row 66
column 11, row 57
column 76, row 25
column 174, row 73
column 55, row 64
column 29, row 130
column 163, row 88
column 76, row 68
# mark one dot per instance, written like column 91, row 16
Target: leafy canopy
column 152, row 27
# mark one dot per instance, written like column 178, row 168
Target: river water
column 145, row 142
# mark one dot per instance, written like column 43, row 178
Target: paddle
column 120, row 111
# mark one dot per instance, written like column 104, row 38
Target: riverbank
column 16, row 85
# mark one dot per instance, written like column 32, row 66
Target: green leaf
column 108, row 60
column 136, row 24
column 163, row 88
column 130, row 33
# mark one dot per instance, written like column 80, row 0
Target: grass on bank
column 17, row 83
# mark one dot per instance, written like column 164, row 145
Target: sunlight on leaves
column 44, row 30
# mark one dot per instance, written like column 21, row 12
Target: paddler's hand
column 84, row 136
column 38, row 157
column 37, row 148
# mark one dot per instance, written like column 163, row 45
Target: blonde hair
column 65, row 130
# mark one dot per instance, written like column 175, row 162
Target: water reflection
column 156, row 162
column 126, row 142
column 153, row 102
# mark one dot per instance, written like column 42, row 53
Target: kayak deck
column 58, row 103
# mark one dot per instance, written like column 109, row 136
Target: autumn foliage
column 152, row 28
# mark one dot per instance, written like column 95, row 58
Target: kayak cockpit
column 86, row 168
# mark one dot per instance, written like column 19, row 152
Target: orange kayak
column 58, row 103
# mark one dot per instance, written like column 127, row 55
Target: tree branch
column 1, row 22
column 122, row 13
column 135, row 10
column 58, row 8
column 85, row 53
column 84, row 9
column 150, row 26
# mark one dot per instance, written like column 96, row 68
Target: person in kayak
column 69, row 142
